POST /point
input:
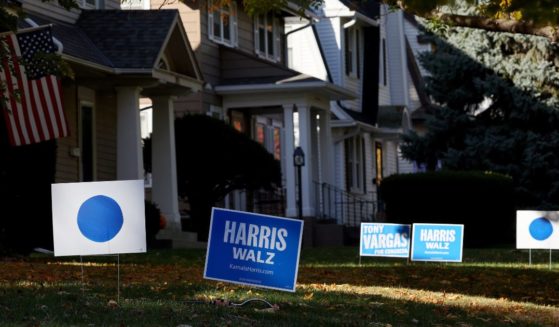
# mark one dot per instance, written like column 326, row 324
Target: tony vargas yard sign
column 385, row 240
column 437, row 242
column 253, row 249
column 98, row 218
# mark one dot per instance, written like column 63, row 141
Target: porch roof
column 297, row 84
column 127, row 43
column 244, row 73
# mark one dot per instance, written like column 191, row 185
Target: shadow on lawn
column 523, row 285
column 142, row 306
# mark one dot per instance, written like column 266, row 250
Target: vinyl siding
column 305, row 52
column 67, row 166
column 412, row 32
column 390, row 158
column 51, row 10
column 383, row 90
column 395, row 53
column 329, row 32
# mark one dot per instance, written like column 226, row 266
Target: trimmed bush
column 483, row 202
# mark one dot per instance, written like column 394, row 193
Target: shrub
column 483, row 202
column 153, row 221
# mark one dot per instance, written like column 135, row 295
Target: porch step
column 180, row 239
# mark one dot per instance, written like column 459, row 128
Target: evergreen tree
column 498, row 96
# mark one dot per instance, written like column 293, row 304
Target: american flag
column 32, row 96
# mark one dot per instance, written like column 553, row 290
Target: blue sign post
column 253, row 249
column 437, row 242
column 385, row 240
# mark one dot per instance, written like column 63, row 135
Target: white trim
column 275, row 54
column 335, row 92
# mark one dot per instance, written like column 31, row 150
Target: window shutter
column 256, row 34
column 210, row 20
column 278, row 49
column 234, row 32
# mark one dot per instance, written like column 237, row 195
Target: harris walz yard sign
column 253, row 249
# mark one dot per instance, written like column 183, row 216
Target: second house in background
column 243, row 60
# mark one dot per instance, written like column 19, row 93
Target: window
column 277, row 142
column 352, row 51
column 260, row 133
column 267, row 37
column 222, row 23
column 238, row 121
column 378, row 165
column 355, row 168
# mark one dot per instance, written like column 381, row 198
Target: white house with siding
column 363, row 47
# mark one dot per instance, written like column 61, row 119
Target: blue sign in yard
column 437, row 242
column 253, row 249
column 385, row 240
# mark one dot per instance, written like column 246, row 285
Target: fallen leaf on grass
column 308, row 296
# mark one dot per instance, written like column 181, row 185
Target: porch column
column 326, row 147
column 163, row 158
column 288, row 148
column 129, row 160
column 305, row 142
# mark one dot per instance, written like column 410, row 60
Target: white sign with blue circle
column 253, row 249
column 537, row 229
column 437, row 242
column 98, row 218
column 385, row 240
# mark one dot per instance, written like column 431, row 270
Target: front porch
column 298, row 111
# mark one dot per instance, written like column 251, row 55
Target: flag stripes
column 34, row 111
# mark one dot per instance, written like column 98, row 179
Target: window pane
column 226, row 27
column 262, row 39
column 378, row 160
column 260, row 134
column 217, row 24
column 277, row 143
column 270, row 39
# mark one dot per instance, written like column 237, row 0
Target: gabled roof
column 128, row 38
column 123, row 40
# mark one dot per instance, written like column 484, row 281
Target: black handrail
column 343, row 207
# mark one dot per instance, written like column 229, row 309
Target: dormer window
column 222, row 22
column 267, row 37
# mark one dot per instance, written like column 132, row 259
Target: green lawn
column 165, row 288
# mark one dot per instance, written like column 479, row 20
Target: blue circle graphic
column 100, row 218
column 541, row 229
